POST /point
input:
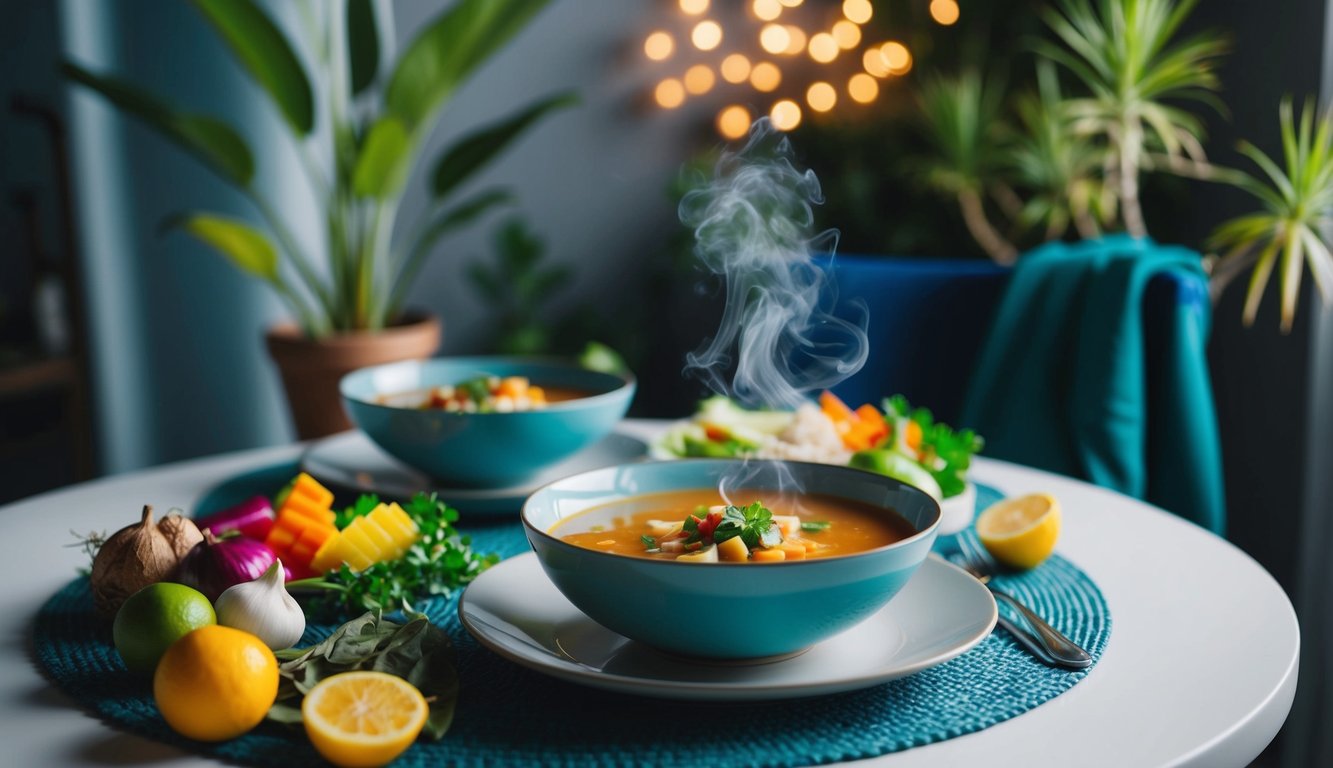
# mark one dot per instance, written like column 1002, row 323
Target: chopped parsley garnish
column 648, row 541
column 815, row 526
column 754, row 524
column 477, row 389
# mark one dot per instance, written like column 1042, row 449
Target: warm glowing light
column 786, row 115
column 735, row 68
column 944, row 11
column 858, row 11
column 862, row 88
column 699, row 79
column 670, row 93
column 791, row 3
column 896, row 57
column 874, row 63
column 847, row 34
column 707, row 35
column 694, row 7
column 765, row 77
column 659, row 46
column 774, row 38
column 733, row 122
column 796, row 42
column 821, row 97
column 767, row 10
column 823, row 48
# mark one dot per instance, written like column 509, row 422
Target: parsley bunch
column 440, row 561
column 945, row 453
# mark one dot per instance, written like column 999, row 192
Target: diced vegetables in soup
column 697, row 526
column 484, row 394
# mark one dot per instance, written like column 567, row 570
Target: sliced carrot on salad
column 866, row 427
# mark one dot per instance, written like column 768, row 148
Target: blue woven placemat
column 511, row 716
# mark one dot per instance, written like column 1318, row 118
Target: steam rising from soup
column 753, row 225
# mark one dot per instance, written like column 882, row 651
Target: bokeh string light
column 802, row 56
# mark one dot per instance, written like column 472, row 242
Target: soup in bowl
column 484, row 421
column 791, row 554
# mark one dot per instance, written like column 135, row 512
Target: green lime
column 155, row 617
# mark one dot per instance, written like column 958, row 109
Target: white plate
column 353, row 461
column 515, row 610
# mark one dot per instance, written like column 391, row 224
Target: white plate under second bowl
column 353, row 461
column 515, row 610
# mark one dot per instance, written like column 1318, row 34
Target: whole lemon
column 216, row 683
column 153, row 618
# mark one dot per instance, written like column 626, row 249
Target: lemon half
column 363, row 718
column 1021, row 532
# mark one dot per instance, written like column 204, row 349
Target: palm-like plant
column 1297, row 210
column 379, row 121
column 1122, row 52
column 961, row 118
column 1057, row 166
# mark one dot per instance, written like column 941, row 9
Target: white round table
column 1200, row 668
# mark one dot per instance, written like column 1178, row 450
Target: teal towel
column 1073, row 379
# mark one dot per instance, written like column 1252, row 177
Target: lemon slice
column 363, row 718
column 1021, row 532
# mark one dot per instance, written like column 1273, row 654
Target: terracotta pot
column 311, row 368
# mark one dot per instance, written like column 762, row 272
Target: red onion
column 252, row 517
column 216, row 564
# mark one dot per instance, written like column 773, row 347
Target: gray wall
column 179, row 366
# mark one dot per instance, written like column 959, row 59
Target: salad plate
column 352, row 461
column 514, row 610
column 896, row 440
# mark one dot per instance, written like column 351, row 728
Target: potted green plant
column 1290, row 230
column 347, row 301
column 1077, row 158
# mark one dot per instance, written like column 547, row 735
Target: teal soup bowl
column 736, row 610
column 484, row 449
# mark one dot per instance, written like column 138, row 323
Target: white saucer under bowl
column 353, row 461
column 515, row 610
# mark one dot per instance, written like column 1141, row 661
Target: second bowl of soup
column 726, row 559
column 484, row 421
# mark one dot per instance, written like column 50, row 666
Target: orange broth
column 853, row 526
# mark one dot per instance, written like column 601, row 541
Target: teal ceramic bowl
column 482, row 450
column 724, row 610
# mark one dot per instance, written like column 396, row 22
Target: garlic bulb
column 134, row 557
column 181, row 532
column 264, row 609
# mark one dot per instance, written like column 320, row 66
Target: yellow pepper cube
column 404, row 518
column 381, row 538
column 402, row 535
column 355, row 536
column 328, row 557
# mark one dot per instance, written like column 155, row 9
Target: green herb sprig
column 754, row 524
column 944, row 453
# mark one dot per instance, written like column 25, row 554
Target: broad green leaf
column 447, row 51
column 475, row 150
column 381, row 168
column 267, row 55
column 248, row 249
column 363, row 44
column 209, row 139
